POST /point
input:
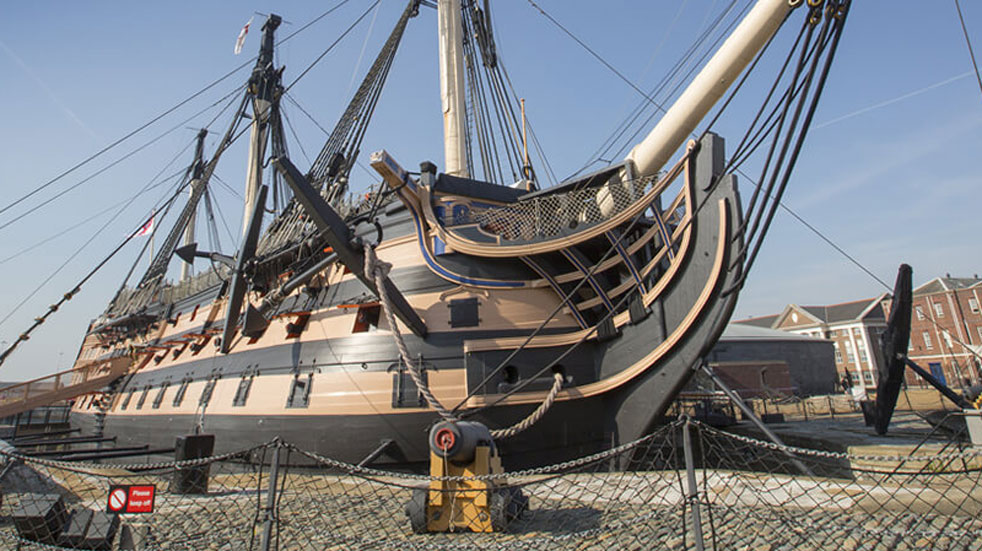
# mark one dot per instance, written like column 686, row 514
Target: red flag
column 147, row 228
column 242, row 36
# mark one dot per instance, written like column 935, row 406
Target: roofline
column 944, row 286
column 872, row 304
column 787, row 309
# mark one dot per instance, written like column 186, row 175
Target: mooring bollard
column 192, row 480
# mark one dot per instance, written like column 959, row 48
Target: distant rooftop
column 762, row 321
column 947, row 283
column 847, row 310
column 832, row 313
column 742, row 332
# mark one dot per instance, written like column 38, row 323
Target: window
column 463, row 312
column 159, row 398
column 126, row 401
column 920, row 312
column 861, row 349
column 293, row 330
column 838, row 353
column 927, row 340
column 143, row 397
column 867, row 378
column 973, row 305
column 181, row 391
column 299, row 396
column 367, row 318
column 947, row 338
column 242, row 393
column 850, row 357
column 207, row 392
column 979, row 329
column 939, row 309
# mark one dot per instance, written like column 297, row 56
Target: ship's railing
column 685, row 486
column 42, row 416
column 131, row 299
column 551, row 215
column 174, row 292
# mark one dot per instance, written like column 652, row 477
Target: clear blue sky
column 889, row 172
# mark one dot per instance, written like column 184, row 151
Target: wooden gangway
column 64, row 385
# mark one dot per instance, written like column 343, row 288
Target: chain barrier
column 712, row 490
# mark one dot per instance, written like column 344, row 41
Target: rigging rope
column 647, row 98
column 378, row 271
column 533, row 418
column 165, row 113
column 968, row 42
column 332, row 45
column 114, row 163
column 126, row 203
column 78, row 287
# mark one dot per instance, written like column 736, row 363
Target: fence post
column 692, row 493
column 269, row 511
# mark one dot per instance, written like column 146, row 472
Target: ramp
column 66, row 385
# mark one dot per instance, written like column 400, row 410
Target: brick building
column 853, row 327
column 946, row 330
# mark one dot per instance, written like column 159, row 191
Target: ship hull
column 572, row 430
column 327, row 376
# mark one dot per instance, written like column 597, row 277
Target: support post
column 269, row 511
column 756, row 420
column 692, row 491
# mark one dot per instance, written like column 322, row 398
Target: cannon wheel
column 500, row 502
column 416, row 511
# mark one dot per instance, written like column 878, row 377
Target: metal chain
column 80, row 468
column 837, row 455
column 557, row 468
column 536, row 471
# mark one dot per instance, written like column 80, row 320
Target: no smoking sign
column 131, row 499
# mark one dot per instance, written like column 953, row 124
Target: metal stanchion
column 756, row 421
column 269, row 511
column 692, row 493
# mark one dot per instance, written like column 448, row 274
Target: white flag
column 147, row 228
column 242, row 36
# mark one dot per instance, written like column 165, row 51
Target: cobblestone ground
column 632, row 511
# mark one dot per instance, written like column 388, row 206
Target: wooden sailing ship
column 596, row 297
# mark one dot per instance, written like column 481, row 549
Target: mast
column 708, row 87
column 264, row 87
column 452, row 88
column 197, row 170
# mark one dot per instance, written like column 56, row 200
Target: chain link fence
column 686, row 486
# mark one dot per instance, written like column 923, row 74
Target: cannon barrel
column 458, row 440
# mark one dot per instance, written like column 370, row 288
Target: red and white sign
column 117, row 500
column 131, row 499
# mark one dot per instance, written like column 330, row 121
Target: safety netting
column 685, row 486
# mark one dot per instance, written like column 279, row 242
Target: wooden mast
column 708, row 87
column 452, row 89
